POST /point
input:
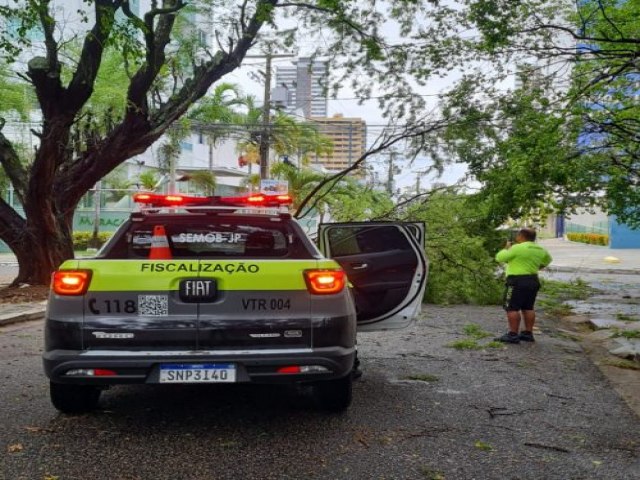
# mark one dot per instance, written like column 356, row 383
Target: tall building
column 304, row 86
column 349, row 137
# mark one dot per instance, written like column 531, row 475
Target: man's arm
column 546, row 260
column 506, row 254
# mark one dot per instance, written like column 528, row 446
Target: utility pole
column 266, row 110
column 392, row 155
column 266, row 119
column 419, row 175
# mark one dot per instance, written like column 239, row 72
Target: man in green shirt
column 524, row 260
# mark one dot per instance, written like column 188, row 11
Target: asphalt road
column 540, row 411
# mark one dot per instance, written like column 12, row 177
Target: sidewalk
column 580, row 257
column 21, row 312
column 8, row 259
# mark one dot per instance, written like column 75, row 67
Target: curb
column 33, row 314
column 609, row 271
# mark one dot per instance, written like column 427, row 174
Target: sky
column 346, row 104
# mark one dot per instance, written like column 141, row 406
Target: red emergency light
column 254, row 199
column 158, row 200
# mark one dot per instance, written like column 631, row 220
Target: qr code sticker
column 153, row 305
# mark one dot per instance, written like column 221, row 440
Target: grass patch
column 475, row 331
column 422, row 377
column 485, row 447
column 465, row 344
column 554, row 294
column 622, row 363
column 555, row 308
column 626, row 318
column 574, row 290
column 626, row 333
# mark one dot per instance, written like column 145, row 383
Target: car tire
column 335, row 395
column 74, row 398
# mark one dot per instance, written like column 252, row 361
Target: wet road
column 421, row 411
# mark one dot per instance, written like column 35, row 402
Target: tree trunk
column 47, row 242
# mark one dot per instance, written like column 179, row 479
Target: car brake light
column 70, row 282
column 324, row 282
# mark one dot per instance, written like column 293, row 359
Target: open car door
column 386, row 266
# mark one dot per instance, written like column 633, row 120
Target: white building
column 305, row 84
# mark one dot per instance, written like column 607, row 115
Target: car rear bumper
column 252, row 366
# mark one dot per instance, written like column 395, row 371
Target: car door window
column 366, row 240
column 386, row 267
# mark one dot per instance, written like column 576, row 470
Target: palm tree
column 301, row 180
column 218, row 114
column 287, row 136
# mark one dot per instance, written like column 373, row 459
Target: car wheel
column 74, row 398
column 335, row 395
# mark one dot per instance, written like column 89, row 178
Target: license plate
column 198, row 373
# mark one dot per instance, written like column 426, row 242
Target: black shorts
column 521, row 292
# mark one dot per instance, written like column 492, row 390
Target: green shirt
column 524, row 258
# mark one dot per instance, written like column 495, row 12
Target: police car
column 227, row 290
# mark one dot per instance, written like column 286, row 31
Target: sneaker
column 526, row 336
column 508, row 337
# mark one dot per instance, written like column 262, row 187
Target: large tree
column 168, row 68
column 570, row 136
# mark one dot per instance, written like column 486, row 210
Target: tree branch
column 81, row 86
column 12, row 166
column 11, row 225
column 156, row 39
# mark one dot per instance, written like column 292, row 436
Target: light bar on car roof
column 177, row 200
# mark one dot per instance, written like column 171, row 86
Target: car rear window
column 213, row 237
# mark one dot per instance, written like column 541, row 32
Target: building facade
column 349, row 137
column 304, row 87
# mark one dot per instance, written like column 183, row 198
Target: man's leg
column 513, row 317
column 529, row 319
column 529, row 315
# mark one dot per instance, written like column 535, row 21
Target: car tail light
column 293, row 369
column 90, row 372
column 324, row 282
column 289, row 369
column 70, row 282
